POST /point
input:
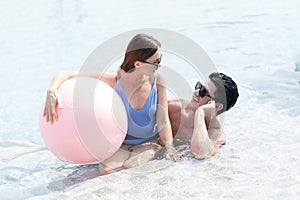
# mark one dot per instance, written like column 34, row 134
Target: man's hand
column 209, row 110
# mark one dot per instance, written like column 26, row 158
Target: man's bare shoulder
column 179, row 101
column 175, row 106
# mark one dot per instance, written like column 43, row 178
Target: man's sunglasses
column 202, row 90
column 156, row 63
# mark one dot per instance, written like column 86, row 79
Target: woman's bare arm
column 53, row 98
column 163, row 121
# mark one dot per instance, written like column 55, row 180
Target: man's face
column 210, row 87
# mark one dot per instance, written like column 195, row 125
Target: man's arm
column 206, row 140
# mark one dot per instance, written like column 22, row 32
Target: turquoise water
column 257, row 43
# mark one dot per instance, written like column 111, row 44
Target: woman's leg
column 142, row 153
column 130, row 156
column 116, row 161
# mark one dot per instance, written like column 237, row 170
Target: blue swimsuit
column 142, row 122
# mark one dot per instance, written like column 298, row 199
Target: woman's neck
column 134, row 79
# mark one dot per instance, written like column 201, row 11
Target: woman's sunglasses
column 202, row 90
column 156, row 63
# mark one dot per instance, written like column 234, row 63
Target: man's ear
column 219, row 106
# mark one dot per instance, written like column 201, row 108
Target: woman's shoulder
column 109, row 77
column 160, row 80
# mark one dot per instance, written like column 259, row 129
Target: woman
column 141, row 90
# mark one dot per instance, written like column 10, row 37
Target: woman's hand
column 52, row 100
column 171, row 152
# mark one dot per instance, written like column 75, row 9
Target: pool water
column 257, row 43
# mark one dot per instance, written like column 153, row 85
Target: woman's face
column 151, row 64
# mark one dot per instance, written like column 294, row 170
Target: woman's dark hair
column 227, row 91
column 140, row 48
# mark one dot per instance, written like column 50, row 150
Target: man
column 191, row 120
column 195, row 120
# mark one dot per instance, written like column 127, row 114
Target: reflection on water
column 79, row 175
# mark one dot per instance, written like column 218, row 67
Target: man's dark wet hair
column 227, row 91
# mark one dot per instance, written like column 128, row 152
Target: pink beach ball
column 92, row 124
